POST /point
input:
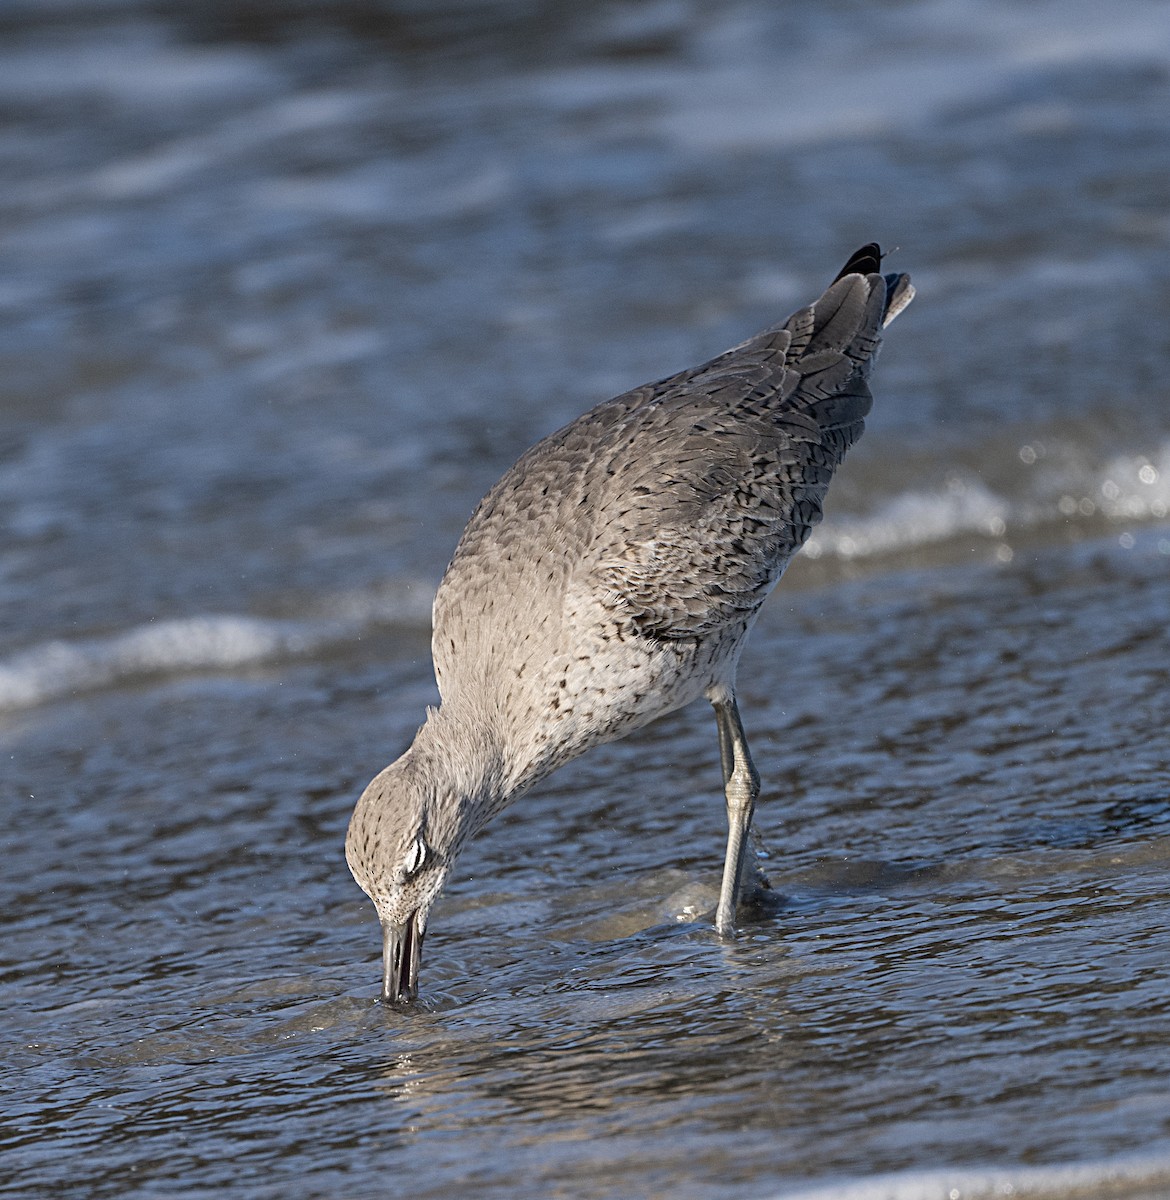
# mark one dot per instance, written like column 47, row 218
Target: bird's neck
column 462, row 750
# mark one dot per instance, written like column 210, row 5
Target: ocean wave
column 1121, row 491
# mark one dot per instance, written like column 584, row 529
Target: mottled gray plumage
column 610, row 577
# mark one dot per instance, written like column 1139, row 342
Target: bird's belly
column 609, row 685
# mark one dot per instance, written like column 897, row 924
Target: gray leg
column 754, row 887
column 741, row 787
column 726, row 750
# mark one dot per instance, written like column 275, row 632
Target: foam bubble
column 1136, row 487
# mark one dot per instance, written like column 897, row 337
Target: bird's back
column 644, row 536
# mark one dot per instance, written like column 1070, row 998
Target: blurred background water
column 284, row 286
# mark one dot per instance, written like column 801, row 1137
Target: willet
column 611, row 576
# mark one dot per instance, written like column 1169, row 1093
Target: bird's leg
column 754, row 885
column 741, row 787
column 726, row 749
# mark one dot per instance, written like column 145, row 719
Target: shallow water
column 281, row 297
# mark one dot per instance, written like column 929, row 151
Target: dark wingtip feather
column 866, row 261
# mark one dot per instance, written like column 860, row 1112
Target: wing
column 719, row 474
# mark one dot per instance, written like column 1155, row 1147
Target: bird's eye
column 416, row 858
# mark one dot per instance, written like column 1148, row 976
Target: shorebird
column 612, row 576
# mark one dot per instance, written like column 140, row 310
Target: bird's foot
column 757, row 897
column 758, row 900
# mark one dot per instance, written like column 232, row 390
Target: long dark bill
column 401, row 955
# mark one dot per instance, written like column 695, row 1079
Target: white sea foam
column 217, row 642
column 914, row 519
column 60, row 668
column 1125, row 489
column 1134, row 1178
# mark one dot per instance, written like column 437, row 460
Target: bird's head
column 401, row 843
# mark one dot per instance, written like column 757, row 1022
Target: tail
column 816, row 362
column 831, row 344
column 868, row 261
